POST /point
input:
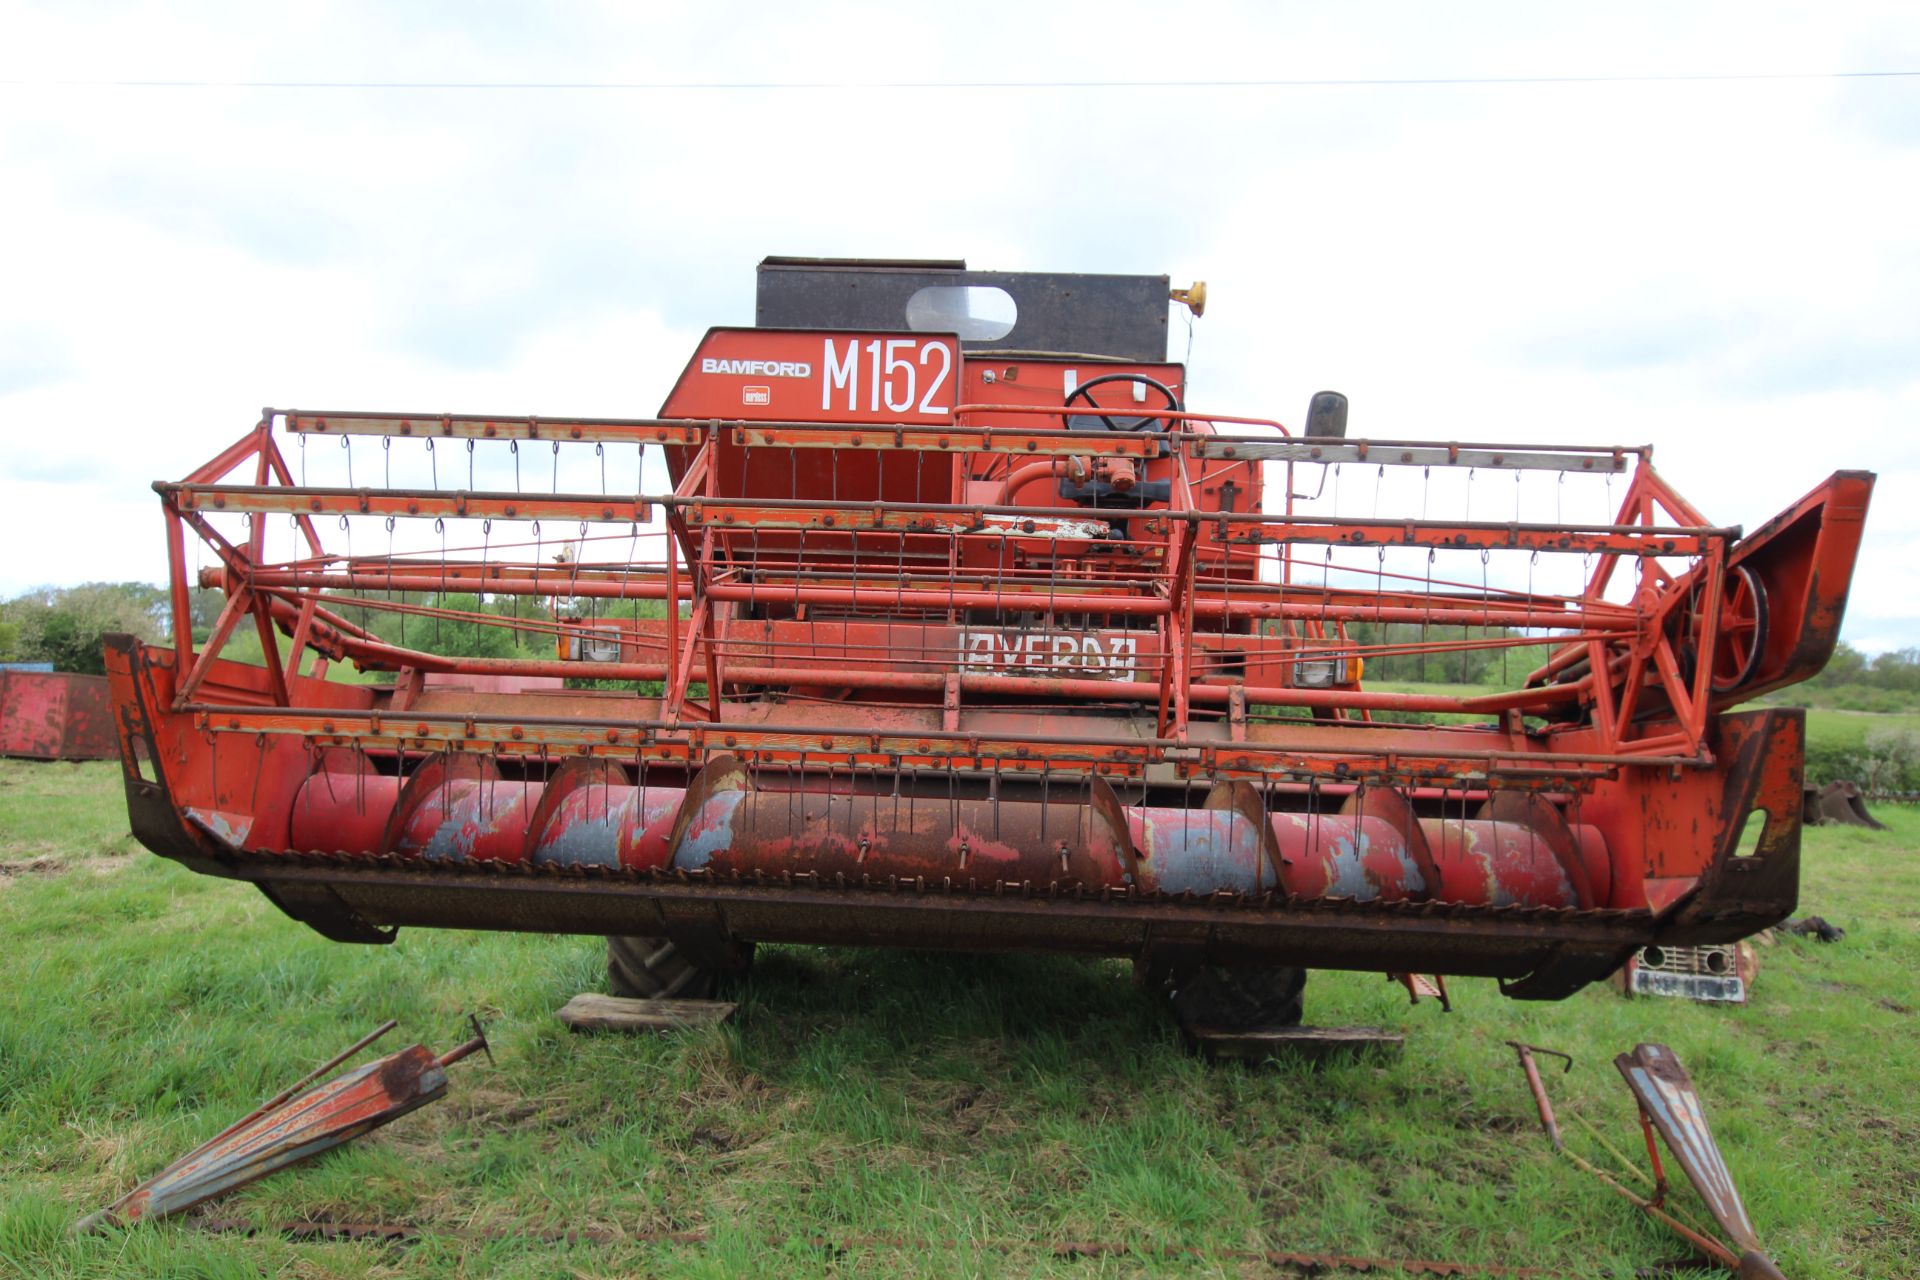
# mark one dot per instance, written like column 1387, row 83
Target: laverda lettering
column 758, row 368
column 1101, row 657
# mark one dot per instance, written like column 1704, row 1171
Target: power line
column 819, row 86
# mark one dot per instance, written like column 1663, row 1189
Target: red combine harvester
column 926, row 615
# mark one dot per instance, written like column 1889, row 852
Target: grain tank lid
column 864, row 264
column 1119, row 316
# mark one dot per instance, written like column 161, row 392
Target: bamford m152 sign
column 788, row 375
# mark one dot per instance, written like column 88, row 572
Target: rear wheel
column 1240, row 998
column 641, row 967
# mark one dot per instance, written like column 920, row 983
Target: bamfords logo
column 758, row 368
column 1051, row 653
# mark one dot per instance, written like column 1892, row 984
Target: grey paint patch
column 710, row 833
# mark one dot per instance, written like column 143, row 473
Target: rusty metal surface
column 1670, row 1102
column 339, row 892
column 55, row 716
column 1805, row 555
column 1839, row 802
column 1749, row 1263
column 1721, row 973
column 455, row 807
column 292, row 1127
column 1544, row 953
column 1741, row 890
column 458, row 807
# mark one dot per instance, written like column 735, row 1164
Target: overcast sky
column 1729, row 270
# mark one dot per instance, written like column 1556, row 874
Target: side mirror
column 1327, row 415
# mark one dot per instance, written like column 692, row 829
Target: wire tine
column 1313, row 820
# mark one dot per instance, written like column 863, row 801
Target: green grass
column 1850, row 728
column 1432, row 686
column 953, row 1102
column 1848, row 697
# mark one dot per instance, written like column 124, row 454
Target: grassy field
column 962, row 1105
column 1850, row 728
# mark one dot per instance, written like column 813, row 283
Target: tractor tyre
column 641, row 967
column 1239, row 998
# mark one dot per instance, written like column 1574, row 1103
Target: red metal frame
column 852, row 597
column 1169, row 588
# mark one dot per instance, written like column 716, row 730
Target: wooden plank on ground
column 591, row 1011
column 1299, row 1042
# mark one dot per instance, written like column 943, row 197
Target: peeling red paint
column 55, row 716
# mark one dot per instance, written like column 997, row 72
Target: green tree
column 1844, row 667
column 1898, row 670
column 67, row 625
column 464, row 637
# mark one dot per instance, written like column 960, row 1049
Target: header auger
column 927, row 614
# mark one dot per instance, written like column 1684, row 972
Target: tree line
column 66, row 626
column 1432, row 654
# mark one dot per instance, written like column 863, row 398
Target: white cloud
column 1725, row 270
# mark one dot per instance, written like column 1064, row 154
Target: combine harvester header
column 927, row 614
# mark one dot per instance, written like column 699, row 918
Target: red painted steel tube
column 1080, row 688
column 467, row 426
column 177, row 589
column 471, row 812
column 954, row 437
column 926, row 517
column 1497, row 864
column 1214, row 595
column 342, row 809
column 299, row 500
column 1032, row 686
column 458, row 809
column 1336, row 855
column 732, row 592
column 1020, row 477
column 1140, row 411
column 1539, row 1088
column 233, row 455
column 589, row 815
column 1243, row 602
column 855, row 835
column 534, row 734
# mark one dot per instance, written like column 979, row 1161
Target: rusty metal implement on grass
column 293, row 1126
column 1669, row 1105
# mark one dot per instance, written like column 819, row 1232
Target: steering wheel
column 1085, row 392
